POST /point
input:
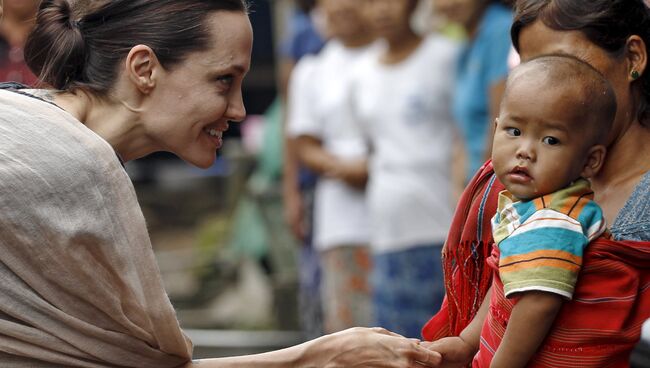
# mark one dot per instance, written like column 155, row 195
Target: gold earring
column 634, row 74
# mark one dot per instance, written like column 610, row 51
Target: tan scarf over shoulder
column 79, row 284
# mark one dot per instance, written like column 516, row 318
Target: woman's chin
column 204, row 161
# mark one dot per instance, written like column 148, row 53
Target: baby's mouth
column 519, row 170
column 520, row 173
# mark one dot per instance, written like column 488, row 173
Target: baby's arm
column 529, row 323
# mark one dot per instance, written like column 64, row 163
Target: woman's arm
column 355, row 347
column 529, row 323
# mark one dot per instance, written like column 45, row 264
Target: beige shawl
column 79, row 285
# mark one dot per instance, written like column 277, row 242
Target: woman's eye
column 551, row 141
column 225, row 80
column 513, row 132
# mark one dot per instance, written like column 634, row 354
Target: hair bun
column 55, row 48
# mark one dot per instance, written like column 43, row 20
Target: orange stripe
column 542, row 253
column 555, row 263
column 579, row 207
column 537, row 202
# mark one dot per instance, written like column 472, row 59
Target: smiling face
column 190, row 107
column 548, row 134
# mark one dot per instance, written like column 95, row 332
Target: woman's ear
column 637, row 55
column 142, row 67
column 594, row 161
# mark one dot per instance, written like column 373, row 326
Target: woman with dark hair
column 602, row 323
column 79, row 283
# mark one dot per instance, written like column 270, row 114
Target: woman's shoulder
column 633, row 221
column 39, row 135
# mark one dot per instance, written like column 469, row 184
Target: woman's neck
column 116, row 122
column 401, row 46
column 628, row 159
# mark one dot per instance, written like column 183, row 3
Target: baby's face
column 539, row 146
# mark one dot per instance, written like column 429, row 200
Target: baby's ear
column 594, row 161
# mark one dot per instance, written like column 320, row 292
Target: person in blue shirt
column 481, row 71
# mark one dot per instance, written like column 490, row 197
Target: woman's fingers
column 425, row 358
column 384, row 331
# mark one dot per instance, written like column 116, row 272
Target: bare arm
column 291, row 195
column 458, row 351
column 529, row 323
column 312, row 154
column 355, row 347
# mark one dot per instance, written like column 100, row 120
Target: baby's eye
column 513, row 132
column 551, row 141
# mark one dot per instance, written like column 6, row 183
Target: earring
column 634, row 74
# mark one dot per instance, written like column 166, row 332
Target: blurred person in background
column 328, row 142
column 298, row 182
column 303, row 38
column 481, row 71
column 401, row 101
column 17, row 22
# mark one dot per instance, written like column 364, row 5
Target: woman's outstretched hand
column 352, row 348
column 375, row 348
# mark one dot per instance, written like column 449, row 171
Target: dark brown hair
column 606, row 23
column 80, row 45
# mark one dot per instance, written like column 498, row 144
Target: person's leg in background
column 407, row 286
column 345, row 287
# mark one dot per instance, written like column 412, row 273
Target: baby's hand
column 454, row 350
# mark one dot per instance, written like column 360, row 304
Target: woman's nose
column 236, row 110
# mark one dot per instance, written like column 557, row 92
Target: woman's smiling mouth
column 215, row 133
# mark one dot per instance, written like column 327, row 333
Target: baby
column 549, row 139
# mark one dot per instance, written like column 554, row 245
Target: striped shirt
column 541, row 241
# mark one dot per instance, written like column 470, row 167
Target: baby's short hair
column 597, row 98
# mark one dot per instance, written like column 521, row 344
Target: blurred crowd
column 385, row 122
